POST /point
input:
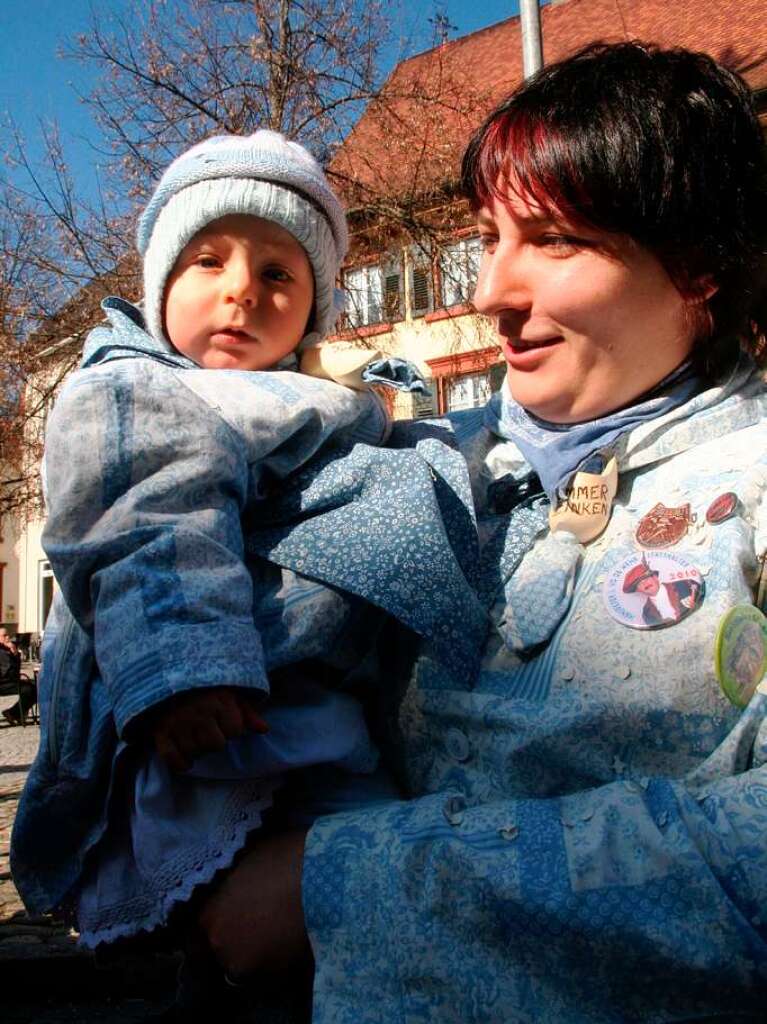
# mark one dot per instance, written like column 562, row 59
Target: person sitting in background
column 11, row 681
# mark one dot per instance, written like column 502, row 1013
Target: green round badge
column 740, row 654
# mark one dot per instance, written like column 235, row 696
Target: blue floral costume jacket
column 208, row 526
column 587, row 838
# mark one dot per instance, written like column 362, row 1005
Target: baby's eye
column 207, row 261
column 277, row 274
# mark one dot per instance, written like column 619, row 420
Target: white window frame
column 472, row 390
column 373, row 293
column 364, row 295
column 458, row 270
column 44, row 573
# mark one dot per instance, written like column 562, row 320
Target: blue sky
column 36, row 83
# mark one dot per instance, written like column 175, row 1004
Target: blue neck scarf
column 556, row 451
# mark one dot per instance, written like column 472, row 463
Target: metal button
column 453, row 809
column 457, row 745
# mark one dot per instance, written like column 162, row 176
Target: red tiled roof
column 411, row 140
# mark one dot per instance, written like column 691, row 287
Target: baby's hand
column 200, row 721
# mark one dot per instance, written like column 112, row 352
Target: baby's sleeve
column 145, row 488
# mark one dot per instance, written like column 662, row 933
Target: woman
column 587, row 835
column 10, row 678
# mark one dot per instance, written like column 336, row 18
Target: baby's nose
column 242, row 283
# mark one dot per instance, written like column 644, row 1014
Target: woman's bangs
column 520, row 157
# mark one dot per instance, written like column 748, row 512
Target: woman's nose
column 502, row 282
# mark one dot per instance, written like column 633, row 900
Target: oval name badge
column 740, row 653
column 653, row 589
column 722, row 508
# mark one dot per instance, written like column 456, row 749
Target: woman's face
column 588, row 321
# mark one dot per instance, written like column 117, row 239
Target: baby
column 166, row 462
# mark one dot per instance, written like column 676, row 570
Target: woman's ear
column 701, row 289
column 696, row 295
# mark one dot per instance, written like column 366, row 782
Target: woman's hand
column 254, row 920
column 201, row 721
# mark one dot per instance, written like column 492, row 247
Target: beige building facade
column 408, row 291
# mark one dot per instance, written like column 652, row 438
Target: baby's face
column 240, row 295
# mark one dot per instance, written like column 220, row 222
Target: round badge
column 740, row 653
column 721, row 508
column 653, row 589
column 662, row 526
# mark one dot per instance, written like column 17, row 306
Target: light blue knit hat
column 264, row 175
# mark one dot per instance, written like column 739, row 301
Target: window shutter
column 423, row 405
column 421, row 298
column 420, row 290
column 392, row 304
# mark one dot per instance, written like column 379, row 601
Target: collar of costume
column 124, row 336
column 557, row 451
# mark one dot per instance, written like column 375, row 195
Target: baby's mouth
column 233, row 334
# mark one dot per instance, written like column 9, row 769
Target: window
column 423, row 405
column 364, row 296
column 471, row 390
column 421, row 284
column 373, row 294
column 458, row 270
column 392, row 292
column 45, row 592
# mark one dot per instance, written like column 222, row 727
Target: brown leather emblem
column 662, row 526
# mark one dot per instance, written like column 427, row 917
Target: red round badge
column 722, row 508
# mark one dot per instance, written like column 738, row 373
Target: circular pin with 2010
column 722, row 508
column 653, row 589
column 740, row 653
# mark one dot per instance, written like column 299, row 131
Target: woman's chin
column 543, row 399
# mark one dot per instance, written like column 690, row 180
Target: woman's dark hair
column 663, row 146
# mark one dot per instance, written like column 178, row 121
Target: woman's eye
column 563, row 244
column 488, row 242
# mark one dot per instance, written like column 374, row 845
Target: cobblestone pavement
column 17, row 749
column 46, row 979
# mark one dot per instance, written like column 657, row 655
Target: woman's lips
column 525, row 343
column 525, row 353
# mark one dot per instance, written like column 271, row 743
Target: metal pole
column 530, row 21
